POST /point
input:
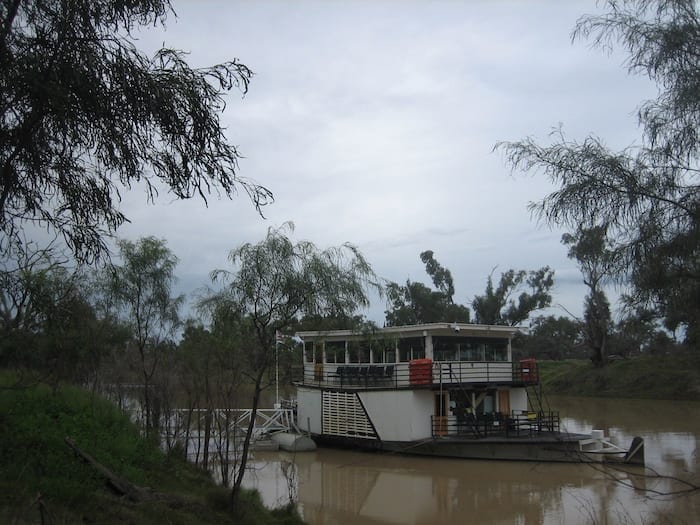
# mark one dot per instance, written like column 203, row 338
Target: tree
column 27, row 278
column 84, row 115
column 210, row 377
column 43, row 310
column 592, row 250
column 442, row 277
column 498, row 306
column 337, row 322
column 140, row 292
column 416, row 303
column 634, row 334
column 597, row 323
column 647, row 195
column 276, row 282
column 551, row 338
column 196, row 368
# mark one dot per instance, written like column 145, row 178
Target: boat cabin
column 407, row 383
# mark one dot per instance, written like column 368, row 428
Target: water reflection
column 347, row 487
column 335, row 486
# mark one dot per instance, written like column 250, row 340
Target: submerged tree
column 85, row 115
column 648, row 196
column 273, row 284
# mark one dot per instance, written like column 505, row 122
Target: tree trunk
column 598, row 355
column 207, row 437
column 236, row 489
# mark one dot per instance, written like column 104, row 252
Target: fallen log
column 122, row 486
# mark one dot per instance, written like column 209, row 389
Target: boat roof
column 417, row 330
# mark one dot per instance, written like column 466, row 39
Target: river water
column 346, row 487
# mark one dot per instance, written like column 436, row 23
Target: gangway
column 236, row 420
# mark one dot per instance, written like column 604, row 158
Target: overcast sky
column 373, row 122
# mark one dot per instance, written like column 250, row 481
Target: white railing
column 407, row 374
column 267, row 420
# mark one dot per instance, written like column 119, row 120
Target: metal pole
column 277, row 373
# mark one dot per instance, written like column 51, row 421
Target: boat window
column 383, row 350
column 445, row 348
column 411, row 348
column 489, row 404
column 470, row 349
column 335, row 351
column 497, row 351
column 353, row 352
column 364, row 351
column 309, row 351
column 379, row 355
column 358, row 351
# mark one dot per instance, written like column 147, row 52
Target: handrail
column 416, row 373
column 517, row 424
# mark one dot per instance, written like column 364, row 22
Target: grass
column 42, row 480
column 643, row 377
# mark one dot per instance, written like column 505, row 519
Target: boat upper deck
column 416, row 356
column 422, row 373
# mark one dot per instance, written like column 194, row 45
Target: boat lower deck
column 545, row 447
column 519, row 424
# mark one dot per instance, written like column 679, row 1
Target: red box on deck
column 528, row 370
column 420, row 371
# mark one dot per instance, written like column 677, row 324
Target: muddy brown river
column 352, row 488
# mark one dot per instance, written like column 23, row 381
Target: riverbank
column 644, row 377
column 44, row 480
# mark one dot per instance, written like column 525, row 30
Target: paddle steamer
column 440, row 389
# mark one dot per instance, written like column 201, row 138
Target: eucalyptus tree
column 84, row 115
column 551, row 337
column 497, row 305
column 441, row 276
column 139, row 290
column 415, row 303
column 597, row 260
column 648, row 194
column 274, row 283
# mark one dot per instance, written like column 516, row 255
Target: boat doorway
column 473, row 402
column 504, row 402
column 440, row 417
column 441, row 399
